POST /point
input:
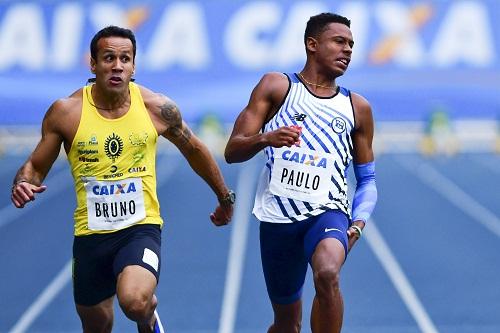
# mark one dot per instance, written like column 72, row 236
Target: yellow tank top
column 113, row 166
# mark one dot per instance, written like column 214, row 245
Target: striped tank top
column 307, row 179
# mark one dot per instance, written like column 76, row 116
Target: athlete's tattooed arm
column 194, row 150
column 177, row 131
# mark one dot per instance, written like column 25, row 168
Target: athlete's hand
column 353, row 234
column 222, row 215
column 24, row 192
column 284, row 136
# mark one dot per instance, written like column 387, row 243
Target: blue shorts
column 99, row 258
column 287, row 248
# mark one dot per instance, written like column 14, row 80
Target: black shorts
column 98, row 259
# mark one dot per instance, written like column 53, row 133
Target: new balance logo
column 299, row 116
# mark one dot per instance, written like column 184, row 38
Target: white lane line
column 454, row 194
column 398, row 278
column 55, row 184
column 47, row 295
column 168, row 166
column 237, row 249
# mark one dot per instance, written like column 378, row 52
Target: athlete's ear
column 311, row 44
column 92, row 65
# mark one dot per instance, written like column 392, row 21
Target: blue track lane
column 447, row 255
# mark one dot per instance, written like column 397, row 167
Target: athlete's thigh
column 329, row 255
column 135, row 282
column 283, row 261
column 93, row 277
column 332, row 226
column 137, row 263
column 143, row 248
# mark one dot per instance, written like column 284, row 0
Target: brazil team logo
column 113, row 146
column 338, row 125
column 138, row 139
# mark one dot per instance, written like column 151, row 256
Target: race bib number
column 114, row 205
column 301, row 174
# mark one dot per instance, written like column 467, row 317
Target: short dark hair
column 111, row 31
column 317, row 24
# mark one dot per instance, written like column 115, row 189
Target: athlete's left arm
column 365, row 196
column 197, row 154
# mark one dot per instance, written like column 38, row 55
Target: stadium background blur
column 423, row 65
column 431, row 70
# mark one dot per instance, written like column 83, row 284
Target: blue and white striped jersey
column 299, row 182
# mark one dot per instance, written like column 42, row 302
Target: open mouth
column 343, row 61
column 115, row 80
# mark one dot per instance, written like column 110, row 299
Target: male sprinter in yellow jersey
column 109, row 131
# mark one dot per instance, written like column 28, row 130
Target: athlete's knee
column 327, row 280
column 95, row 319
column 137, row 306
column 287, row 318
column 103, row 326
column 285, row 326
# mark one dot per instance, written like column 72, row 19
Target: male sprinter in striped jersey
column 311, row 130
column 109, row 130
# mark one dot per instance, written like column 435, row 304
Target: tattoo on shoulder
column 170, row 113
column 172, row 117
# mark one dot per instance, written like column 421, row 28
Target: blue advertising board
column 409, row 58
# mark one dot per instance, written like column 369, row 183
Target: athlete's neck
column 316, row 81
column 109, row 101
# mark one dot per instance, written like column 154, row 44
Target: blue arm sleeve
column 365, row 196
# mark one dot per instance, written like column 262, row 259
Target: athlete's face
column 114, row 65
column 333, row 48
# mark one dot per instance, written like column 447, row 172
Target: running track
column 428, row 261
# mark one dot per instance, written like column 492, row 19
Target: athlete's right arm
column 246, row 140
column 30, row 176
